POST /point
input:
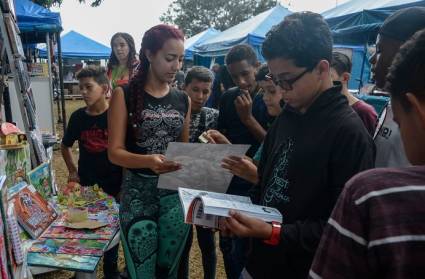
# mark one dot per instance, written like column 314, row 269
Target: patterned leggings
column 152, row 223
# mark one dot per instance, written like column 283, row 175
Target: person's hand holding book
column 243, row 226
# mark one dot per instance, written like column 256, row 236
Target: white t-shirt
column 389, row 147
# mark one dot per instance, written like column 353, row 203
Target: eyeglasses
column 286, row 84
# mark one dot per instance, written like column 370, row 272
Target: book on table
column 64, row 261
column 33, row 212
column 204, row 208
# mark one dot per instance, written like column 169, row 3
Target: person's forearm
column 125, row 159
column 255, row 128
column 252, row 177
column 69, row 160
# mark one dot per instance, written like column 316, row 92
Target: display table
column 79, row 250
column 35, row 270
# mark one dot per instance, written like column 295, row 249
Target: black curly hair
column 304, row 38
column 242, row 52
column 407, row 72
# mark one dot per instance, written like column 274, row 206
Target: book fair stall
column 43, row 229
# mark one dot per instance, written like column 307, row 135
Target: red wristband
column 275, row 236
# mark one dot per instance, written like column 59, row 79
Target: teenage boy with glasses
column 314, row 146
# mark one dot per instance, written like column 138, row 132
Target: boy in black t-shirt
column 88, row 126
column 242, row 119
column 243, row 115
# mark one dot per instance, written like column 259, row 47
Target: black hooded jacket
column 306, row 160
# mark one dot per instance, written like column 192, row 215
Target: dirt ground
column 59, row 166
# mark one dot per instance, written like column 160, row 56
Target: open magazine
column 204, row 208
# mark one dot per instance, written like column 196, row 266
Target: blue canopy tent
column 77, row 46
column 358, row 21
column 251, row 31
column 189, row 44
column 35, row 21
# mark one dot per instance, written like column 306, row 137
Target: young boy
column 341, row 72
column 395, row 30
column 272, row 96
column 314, row 146
column 243, row 115
column 242, row 119
column 88, row 126
column 198, row 85
column 377, row 228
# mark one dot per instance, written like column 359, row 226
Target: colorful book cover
column 41, row 179
column 3, row 253
column 13, row 232
column 64, row 261
column 11, row 264
column 103, row 233
column 104, row 205
column 15, row 164
column 82, row 247
column 13, row 190
column 34, row 214
column 3, row 249
column 102, row 217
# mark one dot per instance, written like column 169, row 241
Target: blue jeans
column 234, row 255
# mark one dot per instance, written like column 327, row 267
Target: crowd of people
column 312, row 152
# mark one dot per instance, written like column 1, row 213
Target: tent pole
column 56, row 84
column 212, row 62
column 49, row 70
column 363, row 65
column 62, row 91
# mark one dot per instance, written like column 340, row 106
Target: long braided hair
column 153, row 40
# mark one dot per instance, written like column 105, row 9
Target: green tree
column 194, row 16
column 50, row 3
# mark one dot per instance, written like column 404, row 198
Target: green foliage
column 50, row 3
column 194, row 16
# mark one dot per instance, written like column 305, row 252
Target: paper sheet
column 201, row 166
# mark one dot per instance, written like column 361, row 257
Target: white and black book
column 204, row 208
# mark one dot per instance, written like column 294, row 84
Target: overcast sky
column 136, row 16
